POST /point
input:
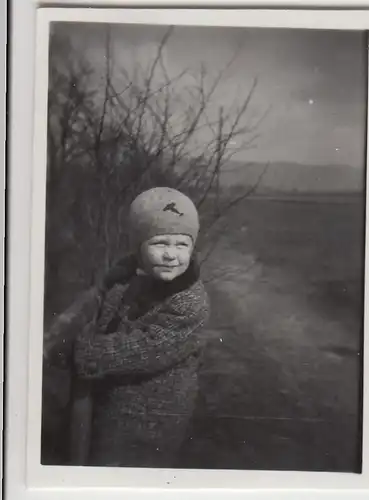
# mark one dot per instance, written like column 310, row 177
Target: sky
column 314, row 82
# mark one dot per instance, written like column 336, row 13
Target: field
column 280, row 382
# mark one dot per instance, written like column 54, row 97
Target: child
column 142, row 352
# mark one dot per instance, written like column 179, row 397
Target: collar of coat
column 126, row 269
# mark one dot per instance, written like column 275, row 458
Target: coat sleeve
column 149, row 345
column 59, row 339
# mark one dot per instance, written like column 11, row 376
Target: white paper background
column 2, row 188
column 26, row 259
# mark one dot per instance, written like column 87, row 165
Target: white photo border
column 25, row 477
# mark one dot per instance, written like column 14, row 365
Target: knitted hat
column 162, row 210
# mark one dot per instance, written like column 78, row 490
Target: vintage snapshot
column 204, row 247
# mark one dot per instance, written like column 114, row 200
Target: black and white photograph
column 204, row 247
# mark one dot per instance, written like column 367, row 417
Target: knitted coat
column 138, row 367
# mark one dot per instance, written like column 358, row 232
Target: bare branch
column 232, row 204
column 143, row 128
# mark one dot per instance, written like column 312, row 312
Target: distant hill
column 295, row 178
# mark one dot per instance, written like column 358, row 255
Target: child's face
column 167, row 256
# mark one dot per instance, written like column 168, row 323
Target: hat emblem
column 171, row 207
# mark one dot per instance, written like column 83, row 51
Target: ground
column 280, row 382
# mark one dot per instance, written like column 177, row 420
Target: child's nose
column 169, row 253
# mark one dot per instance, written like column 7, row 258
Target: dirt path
column 278, row 381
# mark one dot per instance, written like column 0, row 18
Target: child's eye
column 160, row 244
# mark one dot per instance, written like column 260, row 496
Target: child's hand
column 58, row 352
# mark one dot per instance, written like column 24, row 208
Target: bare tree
column 140, row 128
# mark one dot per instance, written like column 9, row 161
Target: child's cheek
column 158, row 255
